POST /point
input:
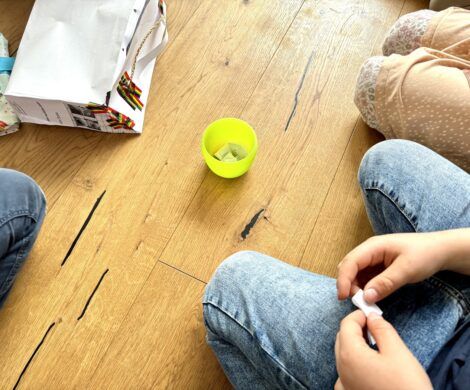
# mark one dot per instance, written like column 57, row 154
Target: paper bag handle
column 154, row 52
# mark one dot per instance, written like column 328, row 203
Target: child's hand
column 361, row 367
column 383, row 264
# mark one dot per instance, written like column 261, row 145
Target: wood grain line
column 329, row 187
column 299, row 89
column 273, row 56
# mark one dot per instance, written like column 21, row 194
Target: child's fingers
column 351, row 332
column 369, row 253
column 339, row 385
column 352, row 344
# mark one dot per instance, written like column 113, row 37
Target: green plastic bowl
column 221, row 132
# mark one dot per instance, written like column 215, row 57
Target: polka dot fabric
column 424, row 96
column 406, row 34
column 449, row 31
column 364, row 96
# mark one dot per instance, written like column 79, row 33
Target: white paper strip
column 367, row 308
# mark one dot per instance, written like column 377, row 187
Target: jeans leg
column 22, row 210
column 409, row 188
column 273, row 325
column 238, row 368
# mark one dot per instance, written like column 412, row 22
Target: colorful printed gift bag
column 9, row 122
column 88, row 63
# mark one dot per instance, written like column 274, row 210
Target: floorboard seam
column 176, row 35
column 272, row 57
column 337, row 169
column 329, row 189
column 180, row 271
column 148, row 276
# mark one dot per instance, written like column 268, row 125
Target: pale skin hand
column 361, row 367
column 380, row 266
column 383, row 264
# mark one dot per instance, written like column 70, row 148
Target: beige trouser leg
column 425, row 97
column 449, row 31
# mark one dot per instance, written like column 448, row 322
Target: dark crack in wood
column 33, row 355
column 245, row 233
column 299, row 89
column 92, row 295
column 82, row 229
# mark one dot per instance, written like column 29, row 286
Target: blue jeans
column 273, row 325
column 22, row 210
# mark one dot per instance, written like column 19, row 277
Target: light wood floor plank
column 112, row 315
column 278, row 202
column 138, row 212
column 161, row 343
column 52, row 160
column 342, row 223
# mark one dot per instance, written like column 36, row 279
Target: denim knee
column 388, row 160
column 231, row 272
column 22, row 209
column 20, row 195
column 224, row 288
column 390, row 173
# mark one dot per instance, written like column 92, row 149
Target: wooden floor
column 136, row 225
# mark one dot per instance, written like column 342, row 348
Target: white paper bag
column 88, row 63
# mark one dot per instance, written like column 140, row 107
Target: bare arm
column 457, row 244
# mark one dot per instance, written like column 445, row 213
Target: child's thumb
column 384, row 284
column 387, row 338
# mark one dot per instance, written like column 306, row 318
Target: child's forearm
column 457, row 248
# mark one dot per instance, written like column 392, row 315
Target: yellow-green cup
column 224, row 131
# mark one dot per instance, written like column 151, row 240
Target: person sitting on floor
column 22, row 210
column 420, row 89
column 273, row 325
